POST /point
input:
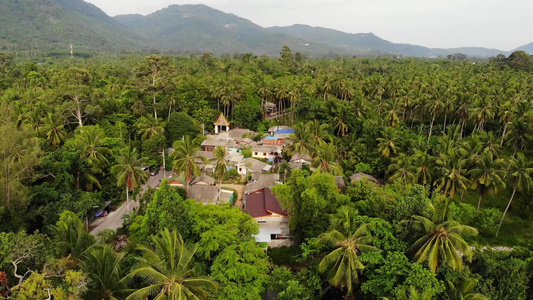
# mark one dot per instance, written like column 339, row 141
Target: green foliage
column 166, row 210
column 504, row 276
column 242, row 271
column 487, row 220
column 247, row 114
column 308, row 199
column 70, row 235
column 389, row 273
column 287, row 286
column 179, row 125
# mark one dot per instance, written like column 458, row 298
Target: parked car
column 154, row 171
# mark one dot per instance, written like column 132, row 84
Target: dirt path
column 240, row 191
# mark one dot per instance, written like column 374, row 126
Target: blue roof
column 271, row 138
column 284, row 131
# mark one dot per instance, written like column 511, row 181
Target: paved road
column 114, row 219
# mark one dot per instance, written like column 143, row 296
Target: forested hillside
column 448, row 215
column 46, row 25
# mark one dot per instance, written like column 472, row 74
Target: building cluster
column 259, row 199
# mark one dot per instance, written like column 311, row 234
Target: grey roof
column 214, row 143
column 339, row 180
column 238, row 133
column 207, row 154
column 204, row 193
column 203, row 178
column 296, row 157
column 266, row 149
column 225, row 197
column 265, row 181
column 247, row 141
column 359, row 176
column 254, row 164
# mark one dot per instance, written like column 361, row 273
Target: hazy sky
column 499, row 24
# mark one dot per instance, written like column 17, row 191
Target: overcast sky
column 499, row 24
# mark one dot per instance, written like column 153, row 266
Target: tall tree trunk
column 431, row 126
column 128, row 199
column 479, row 203
column 503, row 134
column 505, row 212
column 169, row 111
column 155, row 108
column 445, row 119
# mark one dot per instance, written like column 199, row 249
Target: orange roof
column 221, row 121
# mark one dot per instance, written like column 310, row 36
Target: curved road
column 114, row 219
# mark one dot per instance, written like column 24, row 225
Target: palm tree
column 433, row 107
column 148, row 127
column 302, row 140
column 319, row 131
column 520, row 179
column 388, row 143
column 424, row 164
column 326, row 159
column 54, row 128
column 487, row 176
column 128, row 172
column 90, row 142
column 221, row 166
column 517, row 135
column 452, row 179
column 343, row 264
column 443, row 239
column 105, row 269
column 168, row 269
column 70, row 235
column 465, row 291
column 185, row 159
column 402, row 168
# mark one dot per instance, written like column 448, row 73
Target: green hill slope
column 53, row 24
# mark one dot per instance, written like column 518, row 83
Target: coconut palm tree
column 387, row 145
column 54, row 128
column 221, row 166
column 519, row 179
column 148, row 127
column 319, row 131
column 464, row 291
column 517, row 135
column 325, row 160
column 90, row 142
column 167, row 268
column 185, row 159
column 105, row 268
column 451, row 179
column 424, row 165
column 442, row 239
column 342, row 264
column 402, row 168
column 128, row 172
column 302, row 140
column 487, row 176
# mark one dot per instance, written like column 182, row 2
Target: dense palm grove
column 449, row 140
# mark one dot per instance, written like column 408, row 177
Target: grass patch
column 515, row 230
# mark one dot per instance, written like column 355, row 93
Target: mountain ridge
column 52, row 24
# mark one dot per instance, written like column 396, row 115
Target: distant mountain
column 53, row 24
column 527, row 48
column 370, row 43
column 199, row 28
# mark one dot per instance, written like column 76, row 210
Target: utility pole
column 71, row 51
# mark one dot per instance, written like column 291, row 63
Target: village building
column 273, row 221
column 221, row 123
column 360, row 176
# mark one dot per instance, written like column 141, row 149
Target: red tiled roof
column 272, row 203
column 255, row 205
